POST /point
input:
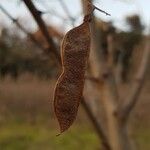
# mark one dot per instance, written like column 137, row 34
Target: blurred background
column 28, row 71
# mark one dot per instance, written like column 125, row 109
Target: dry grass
column 27, row 97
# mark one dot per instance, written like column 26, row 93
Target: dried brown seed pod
column 69, row 87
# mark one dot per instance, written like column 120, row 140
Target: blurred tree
column 128, row 41
column 18, row 55
column 135, row 23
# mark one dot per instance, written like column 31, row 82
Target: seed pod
column 69, row 87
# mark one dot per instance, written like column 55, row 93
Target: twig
column 137, row 85
column 102, row 11
column 94, row 7
column 43, row 28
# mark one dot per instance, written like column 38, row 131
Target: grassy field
column 27, row 121
column 23, row 136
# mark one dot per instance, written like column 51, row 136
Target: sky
column 118, row 9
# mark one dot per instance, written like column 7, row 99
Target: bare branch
column 37, row 16
column 137, row 85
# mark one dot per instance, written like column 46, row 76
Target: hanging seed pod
column 69, row 88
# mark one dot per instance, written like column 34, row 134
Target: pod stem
column 102, row 11
column 93, row 7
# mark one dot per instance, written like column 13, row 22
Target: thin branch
column 94, row 7
column 102, row 11
column 37, row 16
column 22, row 28
column 137, row 85
column 52, row 11
column 65, row 8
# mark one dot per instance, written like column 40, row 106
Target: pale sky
column 118, row 9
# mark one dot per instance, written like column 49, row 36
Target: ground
column 27, row 120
